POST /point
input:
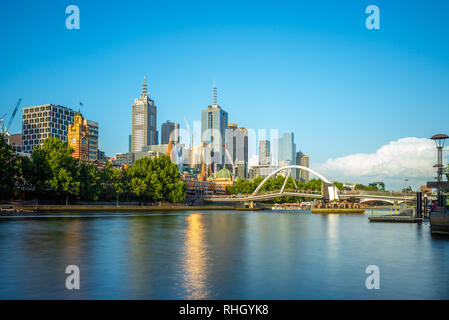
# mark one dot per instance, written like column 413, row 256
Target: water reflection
column 195, row 259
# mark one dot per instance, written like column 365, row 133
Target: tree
column 156, row 179
column 63, row 178
column 9, row 170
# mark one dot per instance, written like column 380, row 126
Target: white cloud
column 407, row 158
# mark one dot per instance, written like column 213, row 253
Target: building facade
column 169, row 128
column 302, row 160
column 78, row 138
column 214, row 122
column 143, row 121
column 287, row 149
column 44, row 121
column 93, row 140
column 237, row 149
column 264, row 153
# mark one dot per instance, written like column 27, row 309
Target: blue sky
column 307, row 66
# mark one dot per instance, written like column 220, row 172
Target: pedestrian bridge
column 329, row 192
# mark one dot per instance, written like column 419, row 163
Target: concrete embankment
column 113, row 208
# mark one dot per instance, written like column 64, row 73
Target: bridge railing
column 377, row 193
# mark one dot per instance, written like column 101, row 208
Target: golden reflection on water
column 195, row 259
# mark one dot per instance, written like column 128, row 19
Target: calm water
column 219, row 255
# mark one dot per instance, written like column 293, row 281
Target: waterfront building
column 78, row 138
column 264, row 152
column 287, row 149
column 214, row 122
column 196, row 187
column 44, row 121
column 169, row 128
column 302, row 160
column 143, row 121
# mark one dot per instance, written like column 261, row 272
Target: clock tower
column 78, row 138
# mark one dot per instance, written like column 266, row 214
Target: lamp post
column 439, row 141
column 405, row 191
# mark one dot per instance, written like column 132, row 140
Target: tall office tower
column 287, row 149
column 78, row 136
column 264, row 153
column 302, row 160
column 129, row 143
column 93, row 140
column 237, row 146
column 214, row 122
column 143, row 121
column 44, row 121
column 168, row 128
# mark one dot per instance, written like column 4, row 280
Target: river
column 219, row 255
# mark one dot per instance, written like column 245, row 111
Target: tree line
column 51, row 172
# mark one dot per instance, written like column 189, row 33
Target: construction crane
column 234, row 166
column 12, row 117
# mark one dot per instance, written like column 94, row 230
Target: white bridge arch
column 332, row 190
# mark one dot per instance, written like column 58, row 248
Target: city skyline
column 384, row 78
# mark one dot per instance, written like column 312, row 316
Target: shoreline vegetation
column 51, row 173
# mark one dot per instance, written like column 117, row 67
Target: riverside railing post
column 419, row 205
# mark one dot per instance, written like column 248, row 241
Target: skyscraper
column 302, row 160
column 237, row 146
column 214, row 122
column 168, row 128
column 287, row 149
column 264, row 152
column 143, row 121
column 93, row 140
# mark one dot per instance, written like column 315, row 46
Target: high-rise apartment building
column 169, row 128
column 214, row 122
column 143, row 121
column 237, row 146
column 302, row 160
column 78, row 136
column 93, row 140
column 44, row 121
column 264, row 153
column 287, row 149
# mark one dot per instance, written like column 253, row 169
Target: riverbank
column 113, row 208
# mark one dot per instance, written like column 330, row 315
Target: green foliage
column 9, row 170
column 364, row 188
column 51, row 170
column 244, row 186
column 157, row 179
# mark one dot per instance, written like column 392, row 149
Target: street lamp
column 405, row 191
column 439, row 139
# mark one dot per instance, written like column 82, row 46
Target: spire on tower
column 144, row 86
column 214, row 95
